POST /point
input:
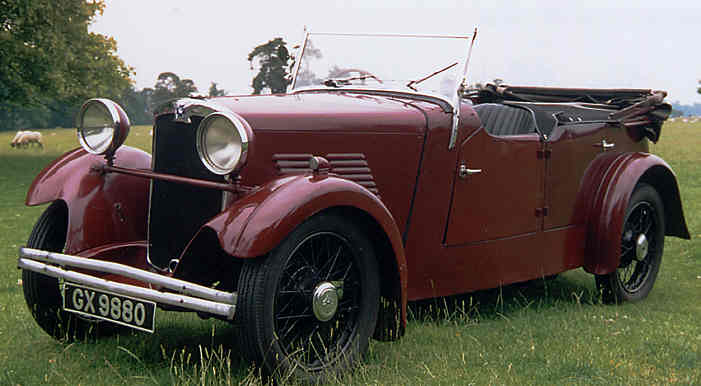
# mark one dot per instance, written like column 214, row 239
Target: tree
column 170, row 86
column 275, row 65
column 699, row 88
column 50, row 63
column 215, row 91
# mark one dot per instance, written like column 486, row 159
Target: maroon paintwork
column 255, row 224
column 537, row 208
column 102, row 209
column 608, row 211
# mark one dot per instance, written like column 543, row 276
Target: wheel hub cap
column 325, row 301
column 641, row 247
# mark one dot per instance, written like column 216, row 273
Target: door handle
column 464, row 172
column 604, row 145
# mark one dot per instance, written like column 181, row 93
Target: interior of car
column 518, row 118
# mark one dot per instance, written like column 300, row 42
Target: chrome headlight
column 223, row 140
column 102, row 126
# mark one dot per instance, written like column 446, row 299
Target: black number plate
column 125, row 310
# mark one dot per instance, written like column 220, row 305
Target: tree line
column 50, row 63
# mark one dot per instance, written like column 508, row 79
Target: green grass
column 544, row 332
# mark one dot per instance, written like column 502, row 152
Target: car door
column 571, row 150
column 498, row 191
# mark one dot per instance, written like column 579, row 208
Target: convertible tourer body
column 309, row 219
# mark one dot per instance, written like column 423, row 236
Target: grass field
column 544, row 332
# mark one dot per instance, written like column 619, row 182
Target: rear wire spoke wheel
column 307, row 310
column 43, row 293
column 642, row 245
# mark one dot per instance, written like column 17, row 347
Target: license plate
column 120, row 309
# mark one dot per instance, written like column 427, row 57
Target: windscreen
column 419, row 63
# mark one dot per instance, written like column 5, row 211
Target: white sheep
column 28, row 138
column 15, row 140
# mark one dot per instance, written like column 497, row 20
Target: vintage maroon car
column 310, row 219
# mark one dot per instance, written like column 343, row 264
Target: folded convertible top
column 630, row 107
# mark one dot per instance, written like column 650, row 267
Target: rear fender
column 102, row 209
column 617, row 178
column 258, row 222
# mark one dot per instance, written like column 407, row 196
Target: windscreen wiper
column 417, row 81
column 338, row 82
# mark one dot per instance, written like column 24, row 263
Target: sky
column 627, row 44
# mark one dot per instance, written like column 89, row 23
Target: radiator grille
column 177, row 211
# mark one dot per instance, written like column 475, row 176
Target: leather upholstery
column 500, row 120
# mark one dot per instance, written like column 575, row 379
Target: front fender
column 258, row 222
column 618, row 178
column 102, row 209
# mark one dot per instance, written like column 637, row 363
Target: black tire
column 642, row 245
column 281, row 330
column 43, row 293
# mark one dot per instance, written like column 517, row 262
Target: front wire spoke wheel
column 321, row 343
column 309, row 307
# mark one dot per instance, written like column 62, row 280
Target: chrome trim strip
column 226, row 196
column 182, row 286
column 454, row 126
column 150, row 197
column 298, row 57
column 462, row 83
column 191, row 303
column 148, row 215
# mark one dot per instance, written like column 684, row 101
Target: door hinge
column 541, row 212
column 543, row 153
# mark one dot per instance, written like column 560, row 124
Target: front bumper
column 185, row 294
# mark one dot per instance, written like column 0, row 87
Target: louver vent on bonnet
column 351, row 166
